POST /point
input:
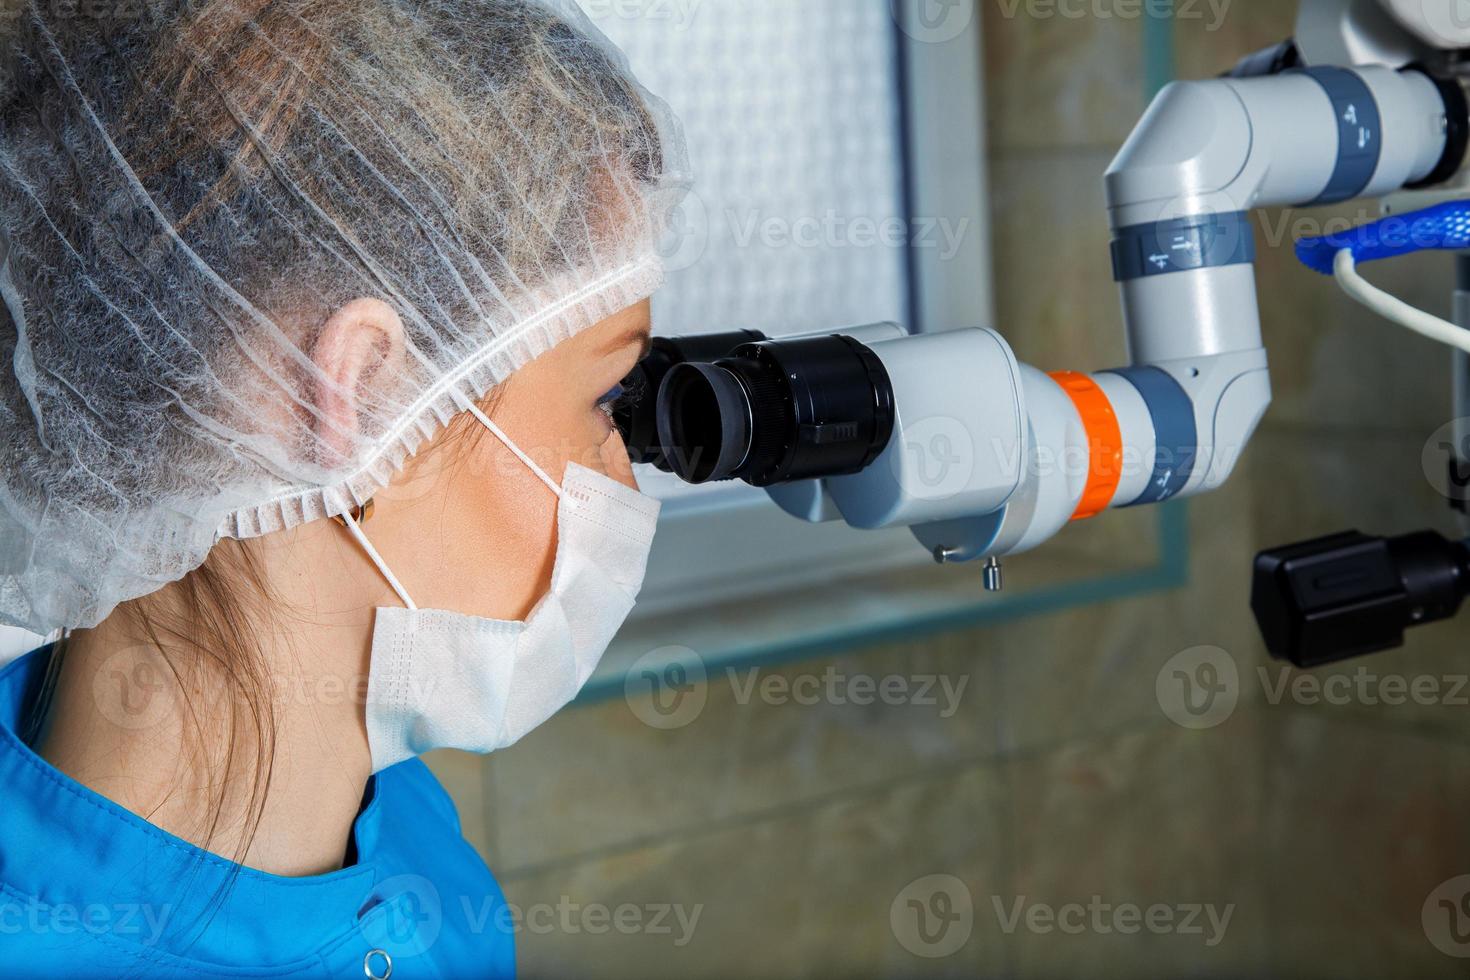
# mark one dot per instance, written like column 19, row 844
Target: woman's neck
column 265, row 763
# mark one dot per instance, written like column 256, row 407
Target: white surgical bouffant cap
column 189, row 189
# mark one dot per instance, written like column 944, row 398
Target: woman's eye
column 611, row 399
column 630, row 391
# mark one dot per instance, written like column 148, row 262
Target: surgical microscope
column 1365, row 101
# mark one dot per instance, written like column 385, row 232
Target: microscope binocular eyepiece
column 870, row 425
column 722, row 423
column 776, row 411
column 636, row 416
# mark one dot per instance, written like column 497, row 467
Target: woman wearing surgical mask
column 312, row 315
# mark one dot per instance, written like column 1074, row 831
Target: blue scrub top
column 88, row 888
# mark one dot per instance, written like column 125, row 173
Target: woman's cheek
column 573, row 432
column 615, row 461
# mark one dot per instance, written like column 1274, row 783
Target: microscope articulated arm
column 947, row 434
column 1176, row 421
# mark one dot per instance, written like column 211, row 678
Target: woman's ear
column 356, row 343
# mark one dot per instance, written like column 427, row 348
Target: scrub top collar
column 77, row 860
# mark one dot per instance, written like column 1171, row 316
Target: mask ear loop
column 355, row 529
column 495, row 430
column 350, row 522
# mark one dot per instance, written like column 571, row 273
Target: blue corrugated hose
column 1444, row 226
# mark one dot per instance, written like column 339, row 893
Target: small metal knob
column 994, row 581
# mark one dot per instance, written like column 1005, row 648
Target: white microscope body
column 991, row 457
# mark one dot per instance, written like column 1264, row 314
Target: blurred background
column 815, row 755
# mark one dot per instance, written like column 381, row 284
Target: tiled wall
column 791, row 830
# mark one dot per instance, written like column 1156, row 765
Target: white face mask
column 448, row 680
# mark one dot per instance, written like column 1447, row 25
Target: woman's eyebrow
column 641, row 335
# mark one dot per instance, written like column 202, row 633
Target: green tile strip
column 1158, row 47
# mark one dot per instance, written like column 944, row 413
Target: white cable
column 1394, row 309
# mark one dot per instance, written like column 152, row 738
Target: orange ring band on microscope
column 1104, row 441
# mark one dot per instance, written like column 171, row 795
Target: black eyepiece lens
column 704, row 422
column 636, row 415
column 774, row 412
